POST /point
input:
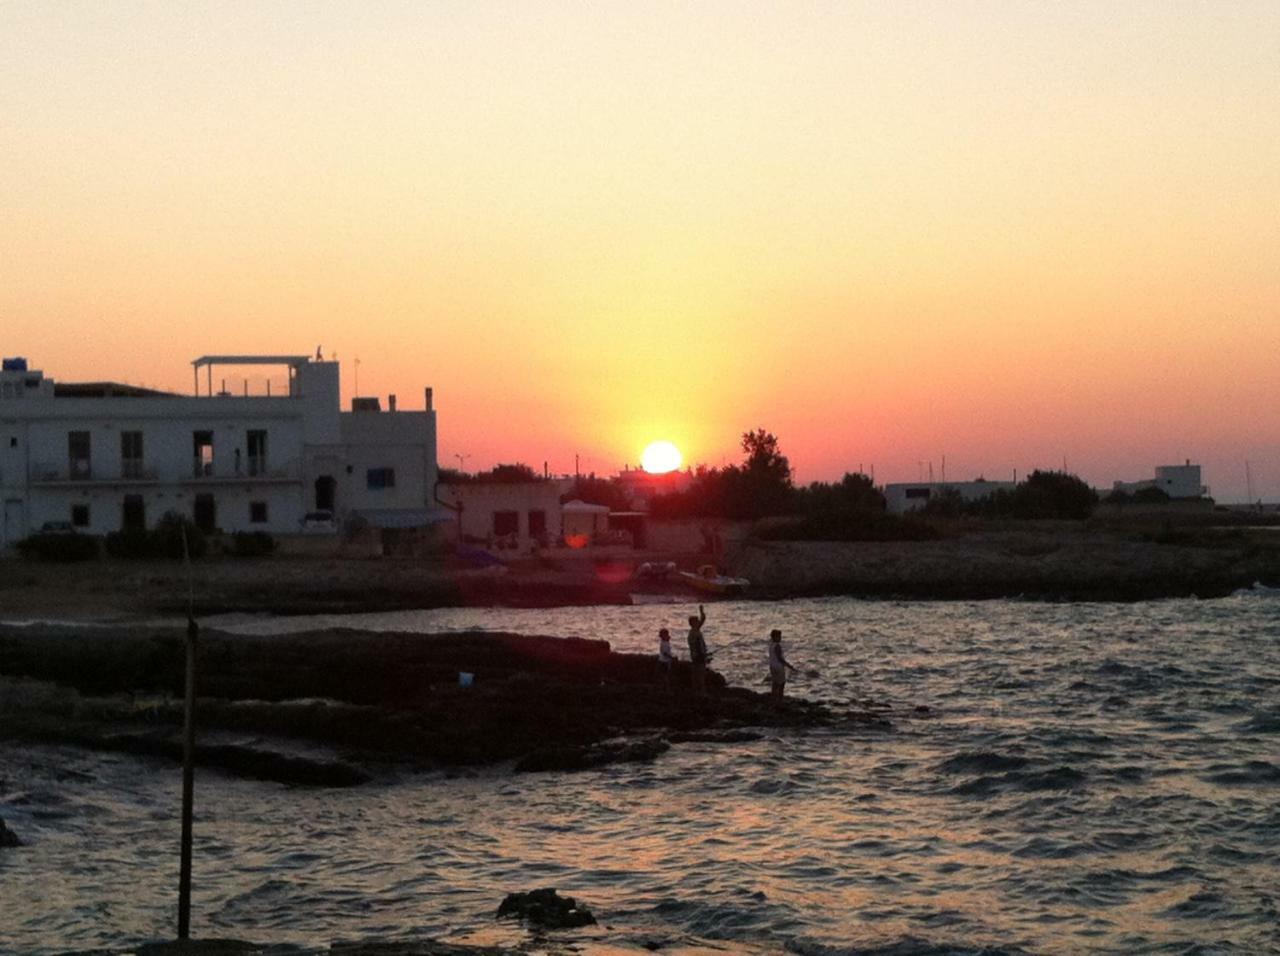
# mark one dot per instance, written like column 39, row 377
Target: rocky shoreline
column 330, row 708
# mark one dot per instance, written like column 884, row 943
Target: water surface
column 1090, row 778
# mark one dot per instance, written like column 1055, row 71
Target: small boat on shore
column 710, row 581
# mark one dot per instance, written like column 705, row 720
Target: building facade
column 517, row 516
column 912, row 496
column 1176, row 481
column 105, row 457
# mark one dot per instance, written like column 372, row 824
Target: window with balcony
column 79, row 464
column 202, row 452
column 131, row 454
column 257, row 444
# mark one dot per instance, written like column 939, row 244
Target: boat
column 709, row 580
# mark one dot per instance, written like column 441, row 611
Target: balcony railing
column 131, row 470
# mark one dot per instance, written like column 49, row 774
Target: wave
column 981, row 761
column 904, row 946
column 1267, row 722
column 1057, row 778
column 1253, row 772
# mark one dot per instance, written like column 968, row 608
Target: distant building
column 104, row 456
column 913, row 496
column 1176, row 481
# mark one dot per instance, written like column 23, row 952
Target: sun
column 660, row 457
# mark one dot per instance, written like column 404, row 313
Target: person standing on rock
column 665, row 658
column 778, row 665
column 698, row 650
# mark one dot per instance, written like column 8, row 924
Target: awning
column 403, row 517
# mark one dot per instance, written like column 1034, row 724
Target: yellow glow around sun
column 660, row 457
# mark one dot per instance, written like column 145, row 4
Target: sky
column 1014, row 235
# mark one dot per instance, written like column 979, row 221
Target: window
column 131, row 454
column 78, row 455
column 133, row 514
column 202, row 451
column 257, row 512
column 917, row 493
column 537, row 523
column 80, row 516
column 257, row 442
column 378, row 478
column 205, row 513
column 506, row 522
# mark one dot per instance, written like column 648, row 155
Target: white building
column 913, row 496
column 104, row 456
column 516, row 515
column 1176, row 481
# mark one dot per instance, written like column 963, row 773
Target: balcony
column 254, row 470
column 81, row 472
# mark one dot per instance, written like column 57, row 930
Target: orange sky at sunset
column 1007, row 233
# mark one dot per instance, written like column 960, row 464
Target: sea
column 1087, row 778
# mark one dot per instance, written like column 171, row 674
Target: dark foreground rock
column 546, row 909
column 372, row 697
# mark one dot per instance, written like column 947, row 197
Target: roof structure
column 204, row 360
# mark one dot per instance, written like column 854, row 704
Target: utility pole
column 188, row 756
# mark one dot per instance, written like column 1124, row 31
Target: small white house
column 913, row 496
column 505, row 515
column 104, row 456
column 1176, row 481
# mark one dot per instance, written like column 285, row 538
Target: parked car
column 319, row 522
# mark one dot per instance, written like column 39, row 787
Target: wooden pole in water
column 188, row 756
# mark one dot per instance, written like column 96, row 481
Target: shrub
column 59, row 547
column 252, row 544
column 1053, row 494
column 163, row 541
column 167, row 537
column 130, row 543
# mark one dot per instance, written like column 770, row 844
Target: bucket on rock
column 465, row 678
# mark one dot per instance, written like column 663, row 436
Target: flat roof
column 251, row 360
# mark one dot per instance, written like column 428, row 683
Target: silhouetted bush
column 1151, row 495
column 163, row 541
column 59, row 547
column 252, row 544
column 130, row 543
column 168, row 533
column 1053, row 494
column 759, row 487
